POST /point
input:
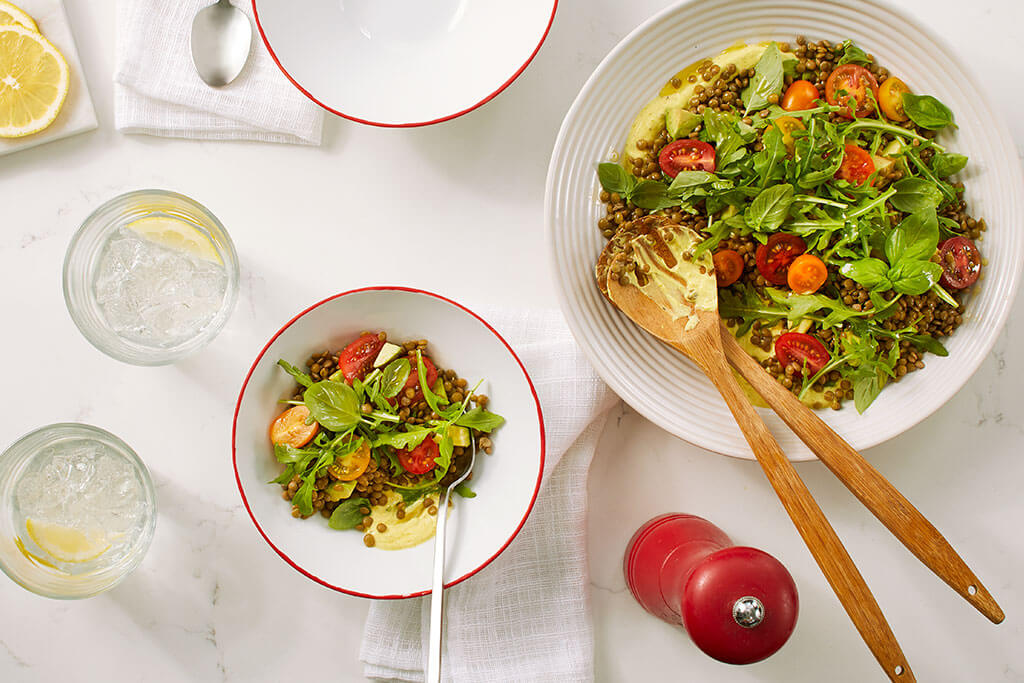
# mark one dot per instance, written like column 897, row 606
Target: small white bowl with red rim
column 403, row 62
column 506, row 482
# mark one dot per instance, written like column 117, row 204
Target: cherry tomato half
column 890, row 98
column 857, row 165
column 800, row 95
column 848, row 85
column 961, row 263
column 686, row 155
column 806, row 274
column 419, row 460
column 773, row 259
column 353, row 465
column 290, row 428
column 728, row 266
column 356, row 358
column 809, row 354
column 786, row 125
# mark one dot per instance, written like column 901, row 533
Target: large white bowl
column 403, row 62
column 506, row 482
column 657, row 381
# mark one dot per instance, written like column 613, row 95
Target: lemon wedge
column 67, row 544
column 178, row 235
column 33, row 82
column 12, row 14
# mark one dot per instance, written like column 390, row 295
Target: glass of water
column 77, row 511
column 150, row 277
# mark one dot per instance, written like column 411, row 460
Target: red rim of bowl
column 234, row 454
column 449, row 117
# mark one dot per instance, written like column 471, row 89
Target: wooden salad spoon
column 877, row 494
column 666, row 295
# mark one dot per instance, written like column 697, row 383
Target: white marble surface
column 211, row 602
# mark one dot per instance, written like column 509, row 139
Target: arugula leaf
column 802, row 306
column 334, row 405
column 870, row 273
column 915, row 238
column 303, row 498
column 285, row 476
column 347, row 515
column 395, row 375
column 300, row 377
column 766, row 162
column 289, row 454
column 719, row 230
column 852, row 54
column 405, row 440
column 481, row 420
column 770, row 208
column 915, row 194
column 946, row 164
column 444, row 456
column 428, row 395
column 914, row 277
column 927, row 112
column 614, row 178
column 464, row 491
column 926, row 343
column 769, row 73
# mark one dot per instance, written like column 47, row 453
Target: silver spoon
column 437, row 592
column 221, row 38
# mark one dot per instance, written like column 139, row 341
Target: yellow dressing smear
column 672, row 278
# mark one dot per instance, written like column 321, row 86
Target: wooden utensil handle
column 877, row 494
column 819, row 536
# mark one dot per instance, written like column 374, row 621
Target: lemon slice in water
column 67, row 544
column 178, row 235
column 12, row 14
column 34, row 81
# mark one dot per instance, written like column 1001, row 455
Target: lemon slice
column 11, row 14
column 33, row 82
column 67, row 544
column 178, row 235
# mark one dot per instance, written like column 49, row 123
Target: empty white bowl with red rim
column 506, row 482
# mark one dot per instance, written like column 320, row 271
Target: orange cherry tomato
column 800, row 95
column 786, row 125
column 353, row 465
column 848, row 86
column 857, row 165
column 290, row 428
column 807, row 273
column 728, row 266
column 890, row 98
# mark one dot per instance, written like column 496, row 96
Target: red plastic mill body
column 739, row 605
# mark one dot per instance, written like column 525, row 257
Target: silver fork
column 437, row 592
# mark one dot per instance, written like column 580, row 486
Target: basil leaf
column 404, row 440
column 299, row 376
column 347, row 515
column 614, row 178
column 394, row 377
column 691, row 179
column 914, row 277
column 481, row 420
column 334, row 405
column 866, row 387
column 652, row 195
column 767, row 81
column 770, row 208
column 946, row 164
column 927, row 112
column 915, row 194
column 916, row 238
column 869, row 273
column 464, row 491
column 852, row 54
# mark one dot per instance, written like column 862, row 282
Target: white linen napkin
column 158, row 92
column 526, row 616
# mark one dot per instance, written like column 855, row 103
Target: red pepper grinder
column 739, row 605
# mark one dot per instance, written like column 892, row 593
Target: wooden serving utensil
column 877, row 494
column 645, row 279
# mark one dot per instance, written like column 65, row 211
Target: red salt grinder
column 739, row 605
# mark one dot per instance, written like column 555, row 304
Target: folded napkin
column 158, row 92
column 526, row 616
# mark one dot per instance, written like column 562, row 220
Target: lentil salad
column 842, row 248
column 373, row 432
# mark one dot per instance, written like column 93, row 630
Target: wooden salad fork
column 872, row 489
column 698, row 336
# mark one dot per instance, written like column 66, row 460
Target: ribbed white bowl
column 659, row 382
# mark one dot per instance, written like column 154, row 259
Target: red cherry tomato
column 848, row 85
column 961, row 263
column 356, row 358
column 419, row 460
column 773, row 259
column 857, row 165
column 728, row 266
column 414, row 378
column 800, row 95
column 686, row 155
column 804, row 350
